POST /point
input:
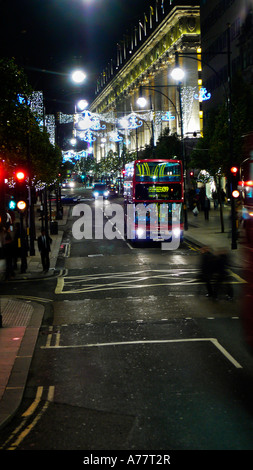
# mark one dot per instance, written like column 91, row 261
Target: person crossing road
column 44, row 246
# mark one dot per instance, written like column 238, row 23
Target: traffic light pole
column 23, row 244
column 31, row 220
column 233, row 223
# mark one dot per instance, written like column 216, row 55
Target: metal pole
column 45, row 210
column 31, row 221
column 152, row 125
column 23, row 245
column 183, row 147
column 231, row 149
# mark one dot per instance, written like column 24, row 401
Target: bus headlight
column 95, row 194
column 106, row 193
column 176, row 232
column 139, row 232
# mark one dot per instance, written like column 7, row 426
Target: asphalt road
column 132, row 355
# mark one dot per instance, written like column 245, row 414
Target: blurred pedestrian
column 206, row 207
column 8, row 256
column 44, row 246
column 215, row 199
column 16, row 245
column 223, row 196
column 207, row 269
column 221, row 275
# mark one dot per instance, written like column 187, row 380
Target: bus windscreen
column 155, row 172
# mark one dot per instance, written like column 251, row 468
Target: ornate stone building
column 143, row 68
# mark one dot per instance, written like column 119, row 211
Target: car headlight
column 71, row 185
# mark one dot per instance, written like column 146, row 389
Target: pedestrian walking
column 206, row 207
column 16, row 245
column 207, row 269
column 215, row 199
column 221, row 275
column 8, row 256
column 44, row 246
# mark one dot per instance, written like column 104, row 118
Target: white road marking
column 214, row 341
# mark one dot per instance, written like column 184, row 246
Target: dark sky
column 57, row 35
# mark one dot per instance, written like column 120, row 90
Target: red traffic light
column 20, row 175
column 234, row 170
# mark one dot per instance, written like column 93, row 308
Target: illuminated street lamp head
column 78, row 76
column 82, row 104
column 142, row 101
column 177, row 74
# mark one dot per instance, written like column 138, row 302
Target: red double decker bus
column 153, row 198
column 246, row 191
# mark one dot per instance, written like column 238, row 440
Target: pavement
column 21, row 320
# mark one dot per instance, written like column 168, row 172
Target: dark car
column 113, row 190
column 100, row 190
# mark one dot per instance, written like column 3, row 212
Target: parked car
column 100, row 189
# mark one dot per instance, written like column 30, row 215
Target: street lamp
column 82, row 104
column 141, row 101
column 73, row 141
column 78, row 76
column 177, row 74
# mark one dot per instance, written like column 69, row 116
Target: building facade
column 143, row 69
column 227, row 45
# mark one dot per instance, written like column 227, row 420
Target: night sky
column 58, row 35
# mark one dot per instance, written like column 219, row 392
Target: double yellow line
column 24, row 428
column 50, row 337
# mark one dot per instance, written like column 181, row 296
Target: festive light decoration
column 50, row 127
column 87, row 136
column 167, row 117
column 115, row 137
column 87, row 120
column 70, row 155
column 131, row 121
column 37, row 103
column 188, row 93
column 203, row 95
